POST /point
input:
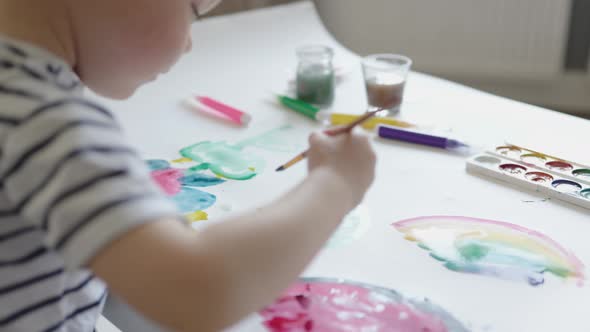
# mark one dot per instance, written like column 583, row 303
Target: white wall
column 510, row 47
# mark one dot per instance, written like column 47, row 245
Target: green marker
column 299, row 106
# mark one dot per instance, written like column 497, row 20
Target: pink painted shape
column 575, row 261
column 331, row 307
column 168, row 179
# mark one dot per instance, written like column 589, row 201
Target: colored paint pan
column 566, row 186
column 527, row 150
column 558, row 165
column 573, row 187
column 533, row 158
column 513, row 169
column 539, row 177
column 582, row 173
column 509, row 151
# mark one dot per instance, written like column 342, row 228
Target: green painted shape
column 423, row 246
column 200, row 167
column 353, row 226
column 223, row 160
column 454, row 266
column 437, row 257
column 473, row 251
column 560, row 272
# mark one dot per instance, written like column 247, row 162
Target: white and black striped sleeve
column 67, row 169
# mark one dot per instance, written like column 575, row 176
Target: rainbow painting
column 333, row 305
column 492, row 248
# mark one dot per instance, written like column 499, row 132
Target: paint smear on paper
column 352, row 228
column 191, row 199
column 195, row 179
column 279, row 139
column 230, row 161
column 180, row 184
column 492, row 248
column 156, row 164
column 182, row 161
column 224, row 160
column 197, row 216
column 333, row 305
column 168, row 180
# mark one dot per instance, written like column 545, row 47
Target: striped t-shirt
column 69, row 184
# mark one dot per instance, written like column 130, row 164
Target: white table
column 241, row 58
column 105, row 326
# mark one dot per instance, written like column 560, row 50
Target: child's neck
column 45, row 24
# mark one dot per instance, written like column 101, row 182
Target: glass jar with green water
column 315, row 75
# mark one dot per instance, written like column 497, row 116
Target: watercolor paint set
column 553, row 176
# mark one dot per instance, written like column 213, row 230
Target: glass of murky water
column 385, row 78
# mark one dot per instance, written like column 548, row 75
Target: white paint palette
column 552, row 176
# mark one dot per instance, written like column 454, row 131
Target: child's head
column 121, row 44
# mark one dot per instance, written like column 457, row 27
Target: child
column 78, row 211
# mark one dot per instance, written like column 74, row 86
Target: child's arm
column 204, row 281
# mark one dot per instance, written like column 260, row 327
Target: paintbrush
column 331, row 132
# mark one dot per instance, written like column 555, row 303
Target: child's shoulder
column 34, row 82
column 31, row 75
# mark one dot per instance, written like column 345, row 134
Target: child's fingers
column 319, row 143
column 363, row 142
column 315, row 138
column 359, row 137
column 356, row 138
column 320, row 140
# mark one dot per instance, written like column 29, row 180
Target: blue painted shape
column 191, row 199
column 196, row 179
column 157, row 164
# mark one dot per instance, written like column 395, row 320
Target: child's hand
column 350, row 157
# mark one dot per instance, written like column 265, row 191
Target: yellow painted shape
column 182, row 160
column 197, row 216
column 410, row 238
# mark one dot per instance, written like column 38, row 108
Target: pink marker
column 229, row 112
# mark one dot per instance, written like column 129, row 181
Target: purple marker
column 389, row 132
